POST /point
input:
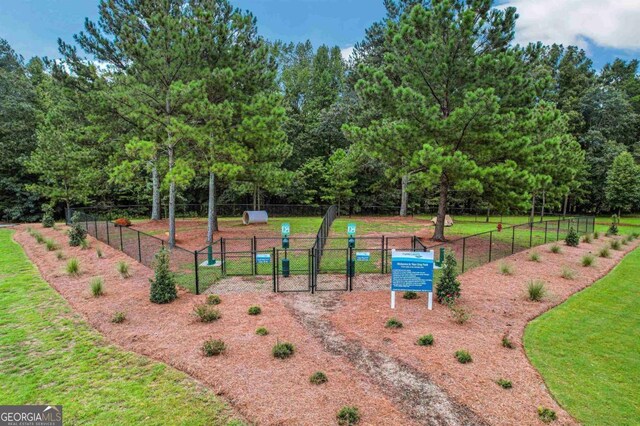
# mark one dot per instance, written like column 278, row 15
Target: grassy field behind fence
column 49, row 355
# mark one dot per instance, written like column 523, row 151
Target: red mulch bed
column 263, row 389
column 498, row 305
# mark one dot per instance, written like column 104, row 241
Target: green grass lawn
column 587, row 348
column 49, row 355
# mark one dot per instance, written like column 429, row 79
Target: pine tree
column 572, row 239
column 47, row 216
column 623, row 183
column 163, row 286
column 448, row 288
column 77, row 233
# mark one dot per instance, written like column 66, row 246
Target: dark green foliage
column 572, row 239
column 213, row 299
column 348, row 415
column 262, row 331
column 206, row 313
column 47, row 216
column 505, row 384
column 318, row 378
column 163, row 285
column 507, row 343
column 282, row 350
column 393, row 323
column 463, row 357
column 254, row 310
column 448, row 288
column 410, row 295
column 77, row 232
column 613, row 228
column 213, row 347
column 547, row 415
column 426, row 340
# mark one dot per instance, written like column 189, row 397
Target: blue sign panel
column 286, row 229
column 412, row 271
column 263, row 258
column 363, row 256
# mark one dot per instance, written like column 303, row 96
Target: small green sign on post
column 286, row 230
column 351, row 229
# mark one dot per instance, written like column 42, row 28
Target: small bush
column 463, row 357
column 568, row 273
column 262, row 331
column 99, row 253
column 588, row 260
column 97, row 286
column 77, row 234
column 84, row 244
column 604, row 252
column 213, row 299
column 254, row 310
column 318, row 378
column 73, row 267
column 556, row 249
column 393, row 323
column 547, row 415
column 507, row 342
column 505, row 384
column 534, row 256
column 213, row 347
column 536, row 290
column 348, row 416
column 410, row 295
column 587, row 239
column 282, row 350
column 596, row 235
column 38, row 237
column 47, row 216
column 123, row 269
column 122, row 221
column 448, row 288
column 635, row 235
column 506, row 268
column 426, row 340
column 59, row 255
column 118, row 317
column 206, row 313
column 163, row 286
column 615, row 244
column 459, row 314
column 613, row 229
column 573, row 239
column 50, row 245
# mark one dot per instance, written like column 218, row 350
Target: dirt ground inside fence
column 384, row 373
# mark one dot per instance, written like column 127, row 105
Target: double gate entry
column 309, row 270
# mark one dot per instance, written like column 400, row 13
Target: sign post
column 286, row 230
column 412, row 271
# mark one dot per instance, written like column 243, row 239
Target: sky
column 606, row 29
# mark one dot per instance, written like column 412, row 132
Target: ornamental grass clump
column 318, row 378
column 213, row 299
column 426, row 340
column 463, row 357
column 448, row 288
column 99, row 253
column 567, row 273
column 588, row 260
column 213, row 347
column 50, row 245
column 348, row 416
column 615, row 244
column 536, row 290
column 38, row 237
column 123, row 269
column 587, row 239
column 262, row 331
column 534, row 256
column 505, row 268
column 97, row 286
column 73, row 267
column 393, row 323
column 254, row 310
column 163, row 285
column 604, row 252
column 84, row 245
column 59, row 255
column 572, row 239
column 555, row 249
column 282, row 350
column 118, row 317
column 504, row 383
column 547, row 415
column 596, row 235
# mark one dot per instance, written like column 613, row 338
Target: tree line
column 182, row 101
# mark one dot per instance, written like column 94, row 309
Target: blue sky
column 605, row 28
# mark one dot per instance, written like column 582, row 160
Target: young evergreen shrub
column 213, row 299
column 448, row 288
column 613, row 228
column 282, row 350
column 262, row 331
column 123, row 269
column 348, row 416
column 73, row 267
column 588, row 260
column 536, row 290
column 213, row 347
column 547, row 415
column 163, row 286
column 573, row 239
column 318, row 378
column 97, row 286
column 393, row 323
column 254, row 310
column 615, row 244
column 567, row 273
column 504, row 383
column 206, row 313
column 118, row 317
column 463, row 357
column 555, row 249
column 410, row 295
column 426, row 340
column 47, row 216
column 507, row 342
column 77, row 234
column 604, row 252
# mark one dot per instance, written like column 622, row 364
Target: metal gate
column 293, row 270
column 330, row 269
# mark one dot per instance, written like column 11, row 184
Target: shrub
column 163, row 286
column 635, row 235
column 505, row 268
column 536, row 290
column 507, row 343
column 282, row 350
column 448, row 288
column 426, row 340
column 213, row 347
column 573, row 239
column 504, row 384
column 348, row 416
column 587, row 239
column 463, row 357
column 262, row 331
column 59, row 255
column 567, row 273
column 96, row 286
column 556, row 249
column 534, row 256
column 615, row 244
column 84, row 244
column 596, row 235
column 393, row 323
column 99, row 253
column 50, row 244
column 73, row 267
column 459, row 314
column 206, row 313
column 613, row 228
column 123, row 269
column 588, row 260
column 547, row 415
column 118, row 317
column 604, row 252
column 122, row 221
column 47, row 216
column 410, row 295
column 213, row 299
column 318, row 378
column 254, row 310
column 77, row 234
column 38, row 236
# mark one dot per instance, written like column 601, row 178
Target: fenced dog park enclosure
column 307, row 262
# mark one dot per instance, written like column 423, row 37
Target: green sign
column 351, row 229
column 286, row 229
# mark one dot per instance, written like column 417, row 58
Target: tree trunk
column 566, row 203
column 544, row 201
column 533, row 207
column 155, row 206
column 488, row 215
column 404, row 197
column 172, row 203
column 255, row 196
column 442, row 208
column 212, row 217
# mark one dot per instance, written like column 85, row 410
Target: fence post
column 106, row 222
column 121, row 246
column 578, row 226
column 513, row 240
column 95, row 225
column 464, row 250
column 558, row 231
column 530, row 234
column 195, row 259
column 254, row 266
column 274, row 267
column 139, row 248
column 382, row 255
column 490, row 245
column 223, row 255
column 546, row 226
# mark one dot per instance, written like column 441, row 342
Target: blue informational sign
column 363, row 256
column 286, row 229
column 263, row 258
column 412, row 271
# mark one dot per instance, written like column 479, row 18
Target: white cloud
column 346, row 52
column 607, row 23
